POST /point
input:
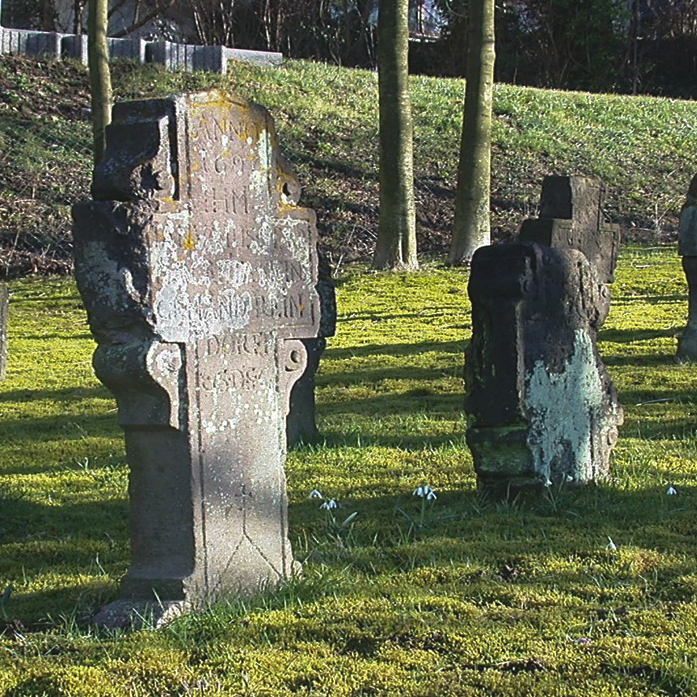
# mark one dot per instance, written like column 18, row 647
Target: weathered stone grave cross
column 541, row 407
column 687, row 249
column 198, row 271
column 4, row 303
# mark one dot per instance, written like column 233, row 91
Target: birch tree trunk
column 395, row 247
column 471, row 228
column 100, row 77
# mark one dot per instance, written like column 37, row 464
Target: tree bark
column 471, row 228
column 395, row 247
column 100, row 77
column 78, row 6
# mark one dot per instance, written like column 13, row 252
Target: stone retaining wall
column 173, row 56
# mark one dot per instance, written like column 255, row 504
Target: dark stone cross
column 4, row 302
column 687, row 249
column 199, row 271
column 541, row 407
column 571, row 215
column 301, row 425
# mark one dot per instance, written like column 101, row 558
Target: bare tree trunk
column 396, row 243
column 214, row 21
column 78, row 8
column 160, row 7
column 471, row 228
column 100, row 77
column 48, row 16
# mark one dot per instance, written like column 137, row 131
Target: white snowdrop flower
column 611, row 545
column 424, row 492
column 548, row 483
column 328, row 505
column 671, row 491
column 314, row 494
column 431, row 496
column 569, row 478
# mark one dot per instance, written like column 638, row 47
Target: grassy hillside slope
column 327, row 120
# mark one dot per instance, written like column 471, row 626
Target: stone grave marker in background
column 198, row 270
column 301, row 426
column 687, row 249
column 541, row 407
column 4, row 302
column 571, row 215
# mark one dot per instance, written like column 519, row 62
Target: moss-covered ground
column 458, row 597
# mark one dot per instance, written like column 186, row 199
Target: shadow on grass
column 67, row 394
column 420, row 402
column 674, row 430
column 340, row 439
column 628, row 336
column 67, row 545
column 300, row 157
column 395, row 350
column 63, row 337
column 63, row 427
column 648, row 395
column 53, row 443
column 461, row 535
column 377, row 375
column 641, row 361
column 652, row 299
column 24, row 520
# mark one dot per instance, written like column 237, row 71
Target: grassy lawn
column 458, row 597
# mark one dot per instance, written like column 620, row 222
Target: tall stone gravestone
column 198, row 271
column 541, row 407
column 687, row 249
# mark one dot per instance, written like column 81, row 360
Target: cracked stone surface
column 199, row 273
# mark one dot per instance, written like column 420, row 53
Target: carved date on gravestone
column 198, row 271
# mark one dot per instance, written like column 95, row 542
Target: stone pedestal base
column 687, row 345
column 134, row 614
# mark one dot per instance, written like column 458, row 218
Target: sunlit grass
column 455, row 596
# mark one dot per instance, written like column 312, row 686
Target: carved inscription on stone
column 199, row 272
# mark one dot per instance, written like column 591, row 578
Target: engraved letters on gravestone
column 198, row 271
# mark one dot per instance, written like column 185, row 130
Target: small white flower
column 548, row 483
column 611, row 545
column 569, row 478
column 328, row 505
column 671, row 491
column 425, row 492
column 314, row 494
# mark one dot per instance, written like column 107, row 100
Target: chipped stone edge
column 138, row 614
